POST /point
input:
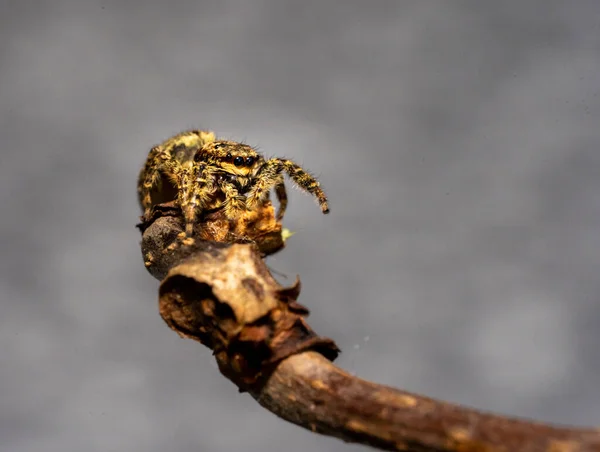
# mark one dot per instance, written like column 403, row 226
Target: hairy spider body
column 205, row 174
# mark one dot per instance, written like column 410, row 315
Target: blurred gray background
column 459, row 142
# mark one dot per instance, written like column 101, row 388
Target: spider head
column 231, row 157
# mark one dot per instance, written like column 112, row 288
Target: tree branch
column 223, row 295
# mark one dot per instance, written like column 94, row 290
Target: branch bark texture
column 223, row 296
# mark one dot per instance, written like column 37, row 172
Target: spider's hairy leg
column 281, row 194
column 235, row 203
column 307, row 182
column 150, row 176
column 195, row 194
column 270, row 175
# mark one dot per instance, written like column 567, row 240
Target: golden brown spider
column 205, row 174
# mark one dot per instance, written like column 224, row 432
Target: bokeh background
column 459, row 143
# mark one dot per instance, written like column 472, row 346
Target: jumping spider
column 204, row 174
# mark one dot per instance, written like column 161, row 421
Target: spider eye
column 249, row 161
column 238, row 161
column 228, row 156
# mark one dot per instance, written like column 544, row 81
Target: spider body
column 204, row 174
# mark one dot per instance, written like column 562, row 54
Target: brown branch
column 223, row 296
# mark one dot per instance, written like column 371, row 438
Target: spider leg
column 281, row 194
column 235, row 203
column 307, row 182
column 197, row 188
column 270, row 176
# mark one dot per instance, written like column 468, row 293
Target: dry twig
column 223, row 296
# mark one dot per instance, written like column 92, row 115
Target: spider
column 204, row 174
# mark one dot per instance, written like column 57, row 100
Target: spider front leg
column 197, row 189
column 235, row 203
column 259, row 193
column 270, row 175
